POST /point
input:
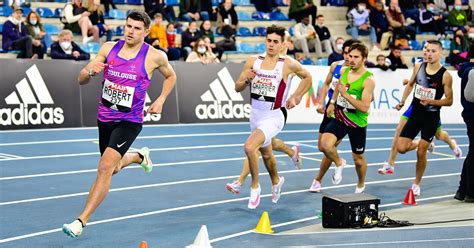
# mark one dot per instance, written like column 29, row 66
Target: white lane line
column 402, row 241
column 203, row 205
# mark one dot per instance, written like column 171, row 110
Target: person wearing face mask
column 431, row 22
column 337, row 55
column 458, row 18
column 41, row 39
column 65, row 48
column 15, row 36
column 359, row 24
column 202, row 53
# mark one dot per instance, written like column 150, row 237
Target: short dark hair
column 348, row 43
column 435, row 42
column 140, row 15
column 274, row 29
column 380, row 56
column 470, row 52
column 361, row 48
column 319, row 16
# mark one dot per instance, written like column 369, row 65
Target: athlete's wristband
column 401, row 104
column 248, row 81
column 91, row 73
column 332, row 101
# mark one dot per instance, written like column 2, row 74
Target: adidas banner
column 35, row 94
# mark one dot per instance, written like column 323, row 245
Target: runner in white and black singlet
column 432, row 81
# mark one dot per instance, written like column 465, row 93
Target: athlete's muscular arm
column 246, row 76
column 96, row 65
column 409, row 87
column 305, row 84
column 324, row 89
column 363, row 104
column 161, row 63
column 448, row 92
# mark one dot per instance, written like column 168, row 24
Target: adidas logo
column 148, row 116
column 31, row 110
column 220, row 98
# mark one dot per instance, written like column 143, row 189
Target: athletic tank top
column 124, row 86
column 428, row 86
column 344, row 111
column 268, row 90
column 336, row 74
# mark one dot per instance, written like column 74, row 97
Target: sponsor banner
column 206, row 93
column 36, row 95
column 91, row 93
column 387, row 94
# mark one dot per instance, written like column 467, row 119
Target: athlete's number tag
column 264, row 87
column 424, row 93
column 343, row 102
column 118, row 94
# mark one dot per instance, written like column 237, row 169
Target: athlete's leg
column 127, row 159
column 444, row 136
column 270, row 163
column 279, row 145
column 421, row 160
column 361, row 168
column 325, row 162
column 251, row 146
column 393, row 152
column 405, row 145
column 328, row 147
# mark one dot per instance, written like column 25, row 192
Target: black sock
column 82, row 223
column 141, row 157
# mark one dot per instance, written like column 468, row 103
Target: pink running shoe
column 296, row 159
column 234, row 187
column 254, row 200
column 457, row 150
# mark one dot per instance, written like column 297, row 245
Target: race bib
column 424, row 93
column 333, row 83
column 344, row 103
column 264, row 89
column 119, row 97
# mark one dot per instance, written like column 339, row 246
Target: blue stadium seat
column 244, row 16
column 51, row 28
column 415, row 45
column 260, row 48
column 307, row 61
column 45, row 12
column 118, row 14
column 119, row 1
column 278, row 16
column 246, row 48
column 446, row 44
column 415, row 60
column 215, row 2
column 134, row 2
column 26, row 11
column 119, row 30
column 322, row 61
column 1, row 28
column 259, row 31
column 5, row 11
column 61, row 1
column 93, row 47
column 280, row 3
column 172, row 2
column 259, row 15
column 291, row 30
column 57, row 12
column 244, row 31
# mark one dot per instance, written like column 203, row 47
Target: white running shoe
column 337, row 176
column 254, row 200
column 296, row 159
column 234, row 187
column 276, row 190
column 457, row 150
column 359, row 190
column 146, row 163
column 74, row 229
column 315, row 186
column 416, row 189
column 431, row 147
column 386, row 169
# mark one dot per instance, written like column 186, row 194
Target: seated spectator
column 383, row 63
column 227, row 20
column 327, row 41
column 430, row 22
column 189, row 38
column 77, row 20
column 265, row 6
column 378, row 19
column 397, row 22
column 202, row 53
column 440, row 7
column 159, row 6
column 470, row 34
column 337, row 55
column 66, row 48
column 159, row 40
column 208, row 43
column 190, row 10
column 457, row 17
column 306, row 38
column 359, row 24
column 458, row 50
column 36, row 31
column 106, row 4
column 396, row 58
column 171, row 36
column 206, row 5
column 302, row 8
column 97, row 18
column 15, row 37
column 206, row 31
column 410, row 9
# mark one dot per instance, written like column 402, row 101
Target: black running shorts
column 117, row 135
column 424, row 121
column 357, row 135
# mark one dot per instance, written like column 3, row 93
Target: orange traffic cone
column 409, row 198
column 264, row 225
column 143, row 244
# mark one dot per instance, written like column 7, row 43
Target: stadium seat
column 244, row 16
column 57, row 12
column 61, row 1
column 93, row 47
column 134, row 2
column 244, row 31
column 246, row 48
column 1, row 28
column 415, row 60
column 259, row 31
column 172, row 2
column 307, row 61
column 45, row 12
column 278, row 16
column 258, row 15
column 119, row 30
column 322, row 61
column 415, row 45
column 119, row 1
column 446, row 44
column 215, row 2
column 291, row 30
column 5, row 11
column 118, row 14
column 51, row 29
column 260, row 48
column 26, row 11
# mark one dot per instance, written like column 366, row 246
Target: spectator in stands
column 378, row 19
column 306, row 38
column 189, row 38
column 190, row 10
column 410, row 9
column 66, row 48
column 206, row 5
column 396, row 58
column 106, row 4
column 159, row 40
column 97, row 18
column 397, row 22
column 382, row 63
column 36, row 31
column 458, row 50
column 327, row 41
column 457, row 17
column 15, row 36
column 171, row 35
column 359, row 24
column 207, row 40
column 77, row 20
column 430, row 22
column 206, row 31
column 265, row 6
column 337, row 55
column 227, row 19
column 440, row 7
column 470, row 34
column 159, row 6
column 202, row 53
column 302, row 8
